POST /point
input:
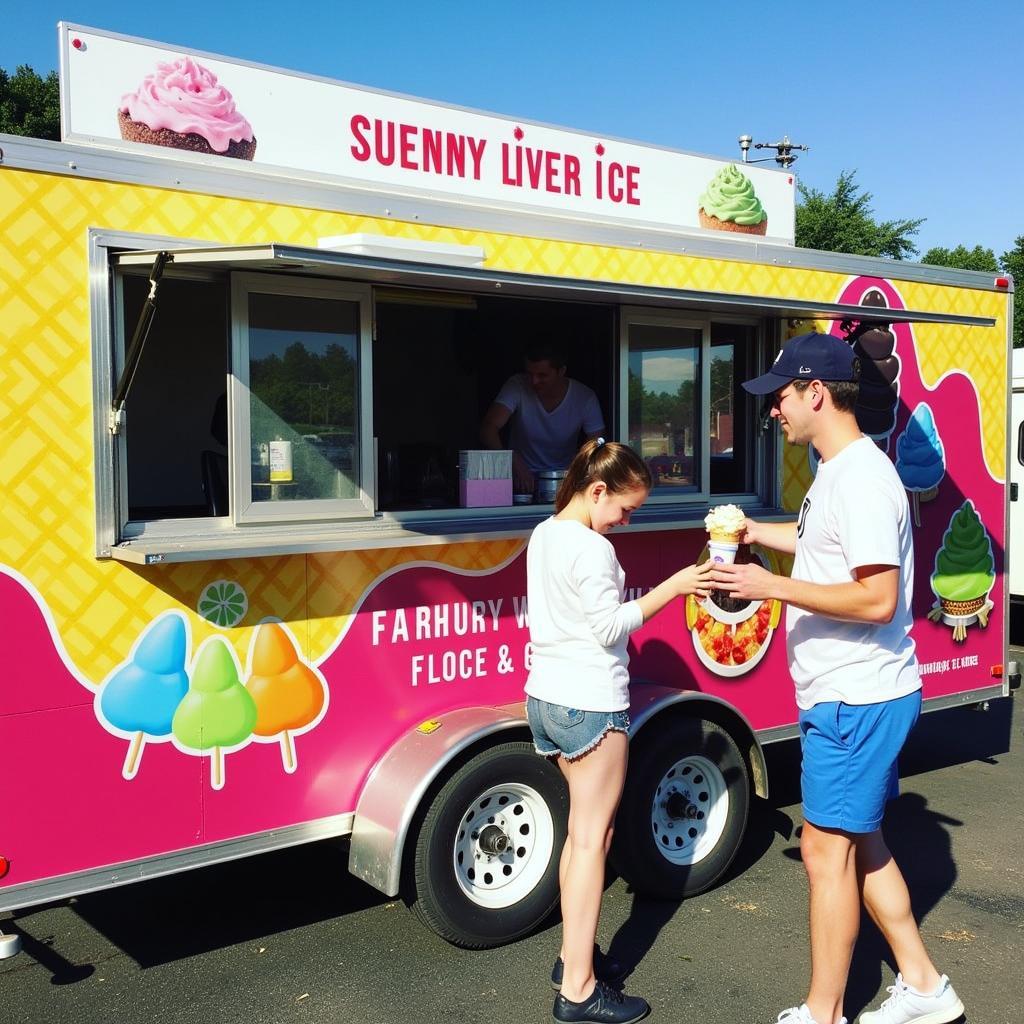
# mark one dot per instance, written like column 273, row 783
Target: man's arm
column 871, row 597
column 490, row 434
column 494, row 421
column 777, row 536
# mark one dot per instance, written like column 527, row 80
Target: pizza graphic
column 731, row 643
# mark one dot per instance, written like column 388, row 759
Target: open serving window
column 291, row 399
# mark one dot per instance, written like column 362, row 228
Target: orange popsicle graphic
column 288, row 694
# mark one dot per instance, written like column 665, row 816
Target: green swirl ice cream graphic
column 964, row 568
column 729, row 203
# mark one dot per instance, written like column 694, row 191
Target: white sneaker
column 799, row 1015
column 908, row 1006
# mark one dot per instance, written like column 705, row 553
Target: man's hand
column 522, row 478
column 748, row 582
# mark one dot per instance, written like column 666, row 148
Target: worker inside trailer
column 547, row 413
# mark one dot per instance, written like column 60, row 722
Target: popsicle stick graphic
column 140, row 698
column 217, row 711
column 288, row 694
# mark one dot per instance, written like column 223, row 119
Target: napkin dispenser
column 485, row 478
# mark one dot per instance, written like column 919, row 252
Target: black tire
column 463, row 888
column 684, row 809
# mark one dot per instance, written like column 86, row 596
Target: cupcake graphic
column 182, row 105
column 730, row 204
column 964, row 573
column 920, row 458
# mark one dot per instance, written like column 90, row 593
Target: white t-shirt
column 549, row 440
column 579, row 624
column 855, row 514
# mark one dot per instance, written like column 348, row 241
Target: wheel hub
column 503, row 845
column 689, row 810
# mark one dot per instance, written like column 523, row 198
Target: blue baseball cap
column 807, row 357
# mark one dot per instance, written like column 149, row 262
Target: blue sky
column 923, row 99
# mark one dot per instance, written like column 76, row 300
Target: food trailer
column 251, row 322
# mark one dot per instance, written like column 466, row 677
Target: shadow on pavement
column 168, row 919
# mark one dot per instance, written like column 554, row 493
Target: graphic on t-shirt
column 920, row 458
column 964, row 573
column 805, row 507
column 731, row 636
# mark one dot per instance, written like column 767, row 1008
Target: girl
column 578, row 695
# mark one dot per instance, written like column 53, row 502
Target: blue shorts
column 568, row 732
column 849, row 760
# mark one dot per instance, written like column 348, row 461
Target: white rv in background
column 1015, row 530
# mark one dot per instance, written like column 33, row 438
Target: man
column 548, row 411
column 848, row 622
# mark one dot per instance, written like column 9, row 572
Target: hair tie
column 600, row 441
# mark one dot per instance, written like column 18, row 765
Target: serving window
column 278, row 403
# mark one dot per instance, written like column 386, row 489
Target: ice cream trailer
column 251, row 590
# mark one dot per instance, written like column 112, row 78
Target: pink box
column 485, row 493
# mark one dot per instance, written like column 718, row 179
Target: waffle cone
column 724, row 537
column 963, row 607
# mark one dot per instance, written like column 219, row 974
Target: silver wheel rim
column 690, row 809
column 504, row 845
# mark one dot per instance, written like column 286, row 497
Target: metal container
column 548, row 482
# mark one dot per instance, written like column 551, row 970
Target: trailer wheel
column 683, row 811
column 485, row 868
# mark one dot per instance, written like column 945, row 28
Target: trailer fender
column 650, row 702
column 398, row 782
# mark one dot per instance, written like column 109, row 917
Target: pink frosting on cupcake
column 184, row 97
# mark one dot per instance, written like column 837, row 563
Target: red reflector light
column 5, row 866
column 997, row 671
column 1002, row 282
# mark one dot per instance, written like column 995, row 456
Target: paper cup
column 722, row 551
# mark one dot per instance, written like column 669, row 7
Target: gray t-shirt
column 855, row 514
column 549, row 440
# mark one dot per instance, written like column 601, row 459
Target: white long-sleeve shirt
column 579, row 624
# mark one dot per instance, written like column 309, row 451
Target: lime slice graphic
column 223, row 603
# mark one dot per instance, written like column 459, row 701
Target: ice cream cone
column 724, row 537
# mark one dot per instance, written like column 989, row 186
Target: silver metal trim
column 953, row 700
column 75, row 160
column 397, row 783
column 256, row 542
column 275, row 256
column 79, row 882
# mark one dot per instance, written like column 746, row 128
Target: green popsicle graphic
column 217, row 711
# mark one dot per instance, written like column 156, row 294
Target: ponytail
column 616, row 465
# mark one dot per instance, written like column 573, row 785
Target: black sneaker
column 605, row 1006
column 606, row 968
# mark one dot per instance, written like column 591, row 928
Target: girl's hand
column 695, row 579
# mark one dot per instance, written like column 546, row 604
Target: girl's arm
column 694, row 579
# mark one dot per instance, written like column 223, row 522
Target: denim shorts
column 849, row 760
column 568, row 732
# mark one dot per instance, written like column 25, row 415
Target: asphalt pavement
column 292, row 937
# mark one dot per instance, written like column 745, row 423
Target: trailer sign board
column 125, row 93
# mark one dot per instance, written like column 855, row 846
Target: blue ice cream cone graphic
column 920, row 458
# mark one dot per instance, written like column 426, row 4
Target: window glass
column 176, row 423
column 303, row 411
column 664, row 403
column 730, row 409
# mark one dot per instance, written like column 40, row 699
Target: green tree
column 29, row 105
column 843, row 222
column 1012, row 262
column 963, row 258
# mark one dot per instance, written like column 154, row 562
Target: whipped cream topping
column 184, row 97
column 725, row 519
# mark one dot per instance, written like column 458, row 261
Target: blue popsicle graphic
column 141, row 697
